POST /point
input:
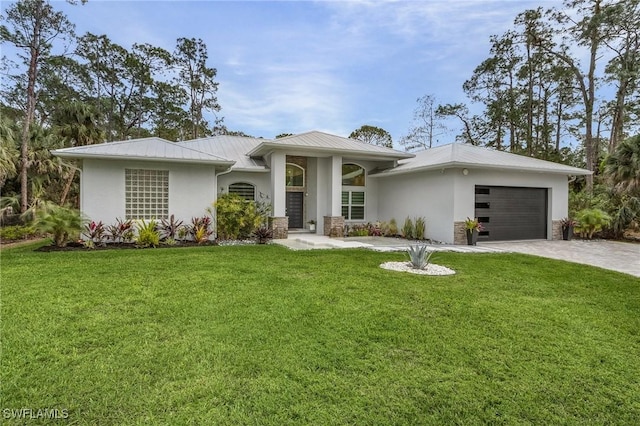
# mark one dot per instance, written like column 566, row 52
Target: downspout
column 213, row 210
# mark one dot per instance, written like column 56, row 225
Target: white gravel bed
column 430, row 269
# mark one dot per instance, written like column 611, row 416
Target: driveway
column 613, row 255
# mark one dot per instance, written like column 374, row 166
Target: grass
column 262, row 335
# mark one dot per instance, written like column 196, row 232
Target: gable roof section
column 232, row 147
column 465, row 155
column 145, row 149
column 320, row 142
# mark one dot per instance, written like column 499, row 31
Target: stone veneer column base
column 459, row 233
column 280, row 227
column 556, row 230
column 334, row 226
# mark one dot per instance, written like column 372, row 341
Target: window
column 295, row 175
column 352, row 175
column 353, row 205
column 243, row 189
column 147, row 194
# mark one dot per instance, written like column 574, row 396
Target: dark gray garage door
column 510, row 213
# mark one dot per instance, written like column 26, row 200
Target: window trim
column 349, row 205
column 304, row 176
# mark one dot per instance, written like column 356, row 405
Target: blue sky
column 331, row 66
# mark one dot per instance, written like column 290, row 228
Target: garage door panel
column 511, row 213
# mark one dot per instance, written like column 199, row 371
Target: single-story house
column 328, row 179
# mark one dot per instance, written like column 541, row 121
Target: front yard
column 263, row 335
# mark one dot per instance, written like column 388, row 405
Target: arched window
column 353, row 199
column 243, row 189
column 353, row 175
column 295, row 175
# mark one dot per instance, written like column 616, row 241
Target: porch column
column 278, row 184
column 279, row 222
column 334, row 222
column 335, row 189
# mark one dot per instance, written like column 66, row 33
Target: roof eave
column 267, row 147
column 452, row 165
column 81, row 156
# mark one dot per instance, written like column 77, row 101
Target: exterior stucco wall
column 261, row 181
column 191, row 188
column 445, row 197
column 425, row 194
column 557, row 185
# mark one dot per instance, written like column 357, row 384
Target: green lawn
column 263, row 335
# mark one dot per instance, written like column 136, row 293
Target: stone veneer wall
column 280, row 227
column 334, row 226
column 556, row 230
column 459, row 233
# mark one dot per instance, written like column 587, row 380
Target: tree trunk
column 67, row 187
column 29, row 115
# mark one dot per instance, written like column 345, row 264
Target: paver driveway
column 613, row 255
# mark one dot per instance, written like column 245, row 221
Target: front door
column 294, row 209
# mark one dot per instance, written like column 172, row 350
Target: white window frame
column 350, row 204
column 304, row 177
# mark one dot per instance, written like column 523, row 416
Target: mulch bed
column 74, row 246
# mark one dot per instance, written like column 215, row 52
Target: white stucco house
column 329, row 179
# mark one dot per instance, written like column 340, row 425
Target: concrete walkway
column 612, row 255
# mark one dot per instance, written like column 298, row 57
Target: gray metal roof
column 465, row 155
column 327, row 143
column 232, row 147
column 147, row 149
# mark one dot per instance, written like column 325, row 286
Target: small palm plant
column 419, row 256
column 61, row 222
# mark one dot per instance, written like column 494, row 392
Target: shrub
column 420, row 227
column 169, row 227
column 18, row 232
column 263, row 234
column 358, row 230
column 374, row 229
column 95, row 232
column 61, row 222
column 408, row 230
column 121, row 231
column 201, row 229
column 236, row 217
column 393, row 227
column 591, row 221
column 419, row 256
column 148, row 234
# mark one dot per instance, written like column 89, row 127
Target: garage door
column 510, row 213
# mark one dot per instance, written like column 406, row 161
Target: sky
column 333, row 66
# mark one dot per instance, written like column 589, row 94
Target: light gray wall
column 423, row 194
column 447, row 196
column 102, row 186
column 557, row 185
column 262, row 182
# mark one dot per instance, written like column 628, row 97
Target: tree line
column 61, row 90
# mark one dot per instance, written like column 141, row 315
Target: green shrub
column 420, row 227
column 148, row 234
column 236, row 217
column 61, row 222
column 591, row 221
column 17, row 232
column 393, row 228
column 408, row 231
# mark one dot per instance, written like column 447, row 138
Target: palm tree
column 78, row 124
column 622, row 167
column 8, row 152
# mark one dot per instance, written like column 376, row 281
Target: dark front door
column 294, row 209
column 510, row 213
